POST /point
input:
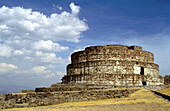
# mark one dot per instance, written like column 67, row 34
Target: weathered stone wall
column 27, row 91
column 112, row 67
column 14, row 100
column 2, row 101
column 85, row 86
column 112, row 52
column 113, row 79
column 117, row 65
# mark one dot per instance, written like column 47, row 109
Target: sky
column 37, row 37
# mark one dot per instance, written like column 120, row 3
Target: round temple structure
column 117, row 65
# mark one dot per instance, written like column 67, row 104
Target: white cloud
column 46, row 57
column 40, row 70
column 44, row 71
column 59, row 7
column 49, row 46
column 50, row 75
column 4, row 68
column 5, row 50
column 51, row 66
column 62, row 61
column 28, row 58
column 18, row 52
column 50, row 58
column 25, row 32
column 33, row 41
column 80, row 49
column 75, row 9
column 18, row 23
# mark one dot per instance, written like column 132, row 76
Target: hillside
column 141, row 100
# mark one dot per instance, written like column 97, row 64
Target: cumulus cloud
column 5, row 50
column 57, row 6
column 34, row 36
column 4, row 68
column 46, row 57
column 31, row 34
column 49, row 46
column 19, row 23
column 18, row 52
column 50, row 58
column 75, row 9
column 40, row 70
column 81, row 48
column 34, row 41
column 28, row 58
column 53, row 74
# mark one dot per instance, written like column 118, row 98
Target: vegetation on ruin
column 167, row 77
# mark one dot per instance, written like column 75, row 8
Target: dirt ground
column 142, row 100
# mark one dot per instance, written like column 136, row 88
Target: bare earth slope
column 142, row 100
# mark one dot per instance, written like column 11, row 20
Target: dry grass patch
column 140, row 99
column 165, row 91
column 20, row 93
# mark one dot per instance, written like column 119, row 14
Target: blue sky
column 69, row 25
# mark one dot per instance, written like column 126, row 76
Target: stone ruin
column 109, row 66
column 97, row 67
